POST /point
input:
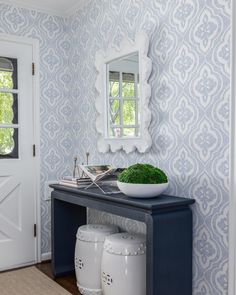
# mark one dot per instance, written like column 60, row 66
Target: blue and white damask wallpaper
column 190, row 80
column 190, row 50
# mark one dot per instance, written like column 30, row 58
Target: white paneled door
column 17, row 161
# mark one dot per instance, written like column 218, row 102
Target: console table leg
column 169, row 253
column 66, row 218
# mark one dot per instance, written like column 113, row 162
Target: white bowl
column 139, row 190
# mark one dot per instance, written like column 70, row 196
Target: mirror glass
column 123, row 89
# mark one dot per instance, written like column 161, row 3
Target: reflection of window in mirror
column 124, row 96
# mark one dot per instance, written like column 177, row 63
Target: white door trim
column 36, row 108
column 232, row 162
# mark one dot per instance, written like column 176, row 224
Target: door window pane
column 8, row 73
column 8, row 108
column 8, row 143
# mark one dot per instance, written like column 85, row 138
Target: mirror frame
column 102, row 58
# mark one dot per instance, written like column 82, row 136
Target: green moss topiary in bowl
column 143, row 173
column 142, row 181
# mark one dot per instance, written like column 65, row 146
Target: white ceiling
column 58, row 7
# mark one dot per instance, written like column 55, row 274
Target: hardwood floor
column 67, row 282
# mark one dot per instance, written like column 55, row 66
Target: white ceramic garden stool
column 124, row 265
column 88, row 254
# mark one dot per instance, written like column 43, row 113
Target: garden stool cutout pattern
column 124, row 264
column 88, row 253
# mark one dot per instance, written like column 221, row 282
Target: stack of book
column 75, row 182
column 103, row 176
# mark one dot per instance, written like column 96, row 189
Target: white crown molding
column 40, row 8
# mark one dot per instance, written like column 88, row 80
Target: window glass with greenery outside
column 8, row 108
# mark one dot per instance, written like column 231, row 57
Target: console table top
column 159, row 202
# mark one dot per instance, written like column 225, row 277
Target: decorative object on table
column 124, row 265
column 88, row 254
column 76, row 168
column 87, row 161
column 110, row 179
column 96, row 173
column 75, row 182
column 87, row 158
column 102, row 176
column 142, row 181
column 78, row 178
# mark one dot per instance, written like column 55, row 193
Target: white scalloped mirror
column 124, row 93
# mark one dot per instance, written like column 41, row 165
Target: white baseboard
column 46, row 256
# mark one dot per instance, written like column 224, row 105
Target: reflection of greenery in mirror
column 124, row 97
column 129, row 112
column 6, row 140
column 7, row 104
column 128, row 85
column 115, row 111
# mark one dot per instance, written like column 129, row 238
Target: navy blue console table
column 169, row 233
